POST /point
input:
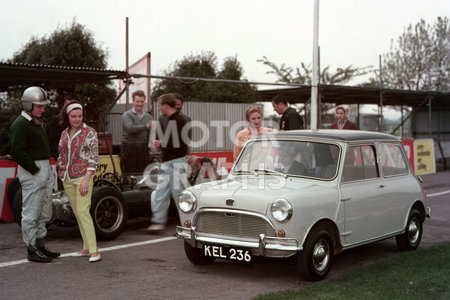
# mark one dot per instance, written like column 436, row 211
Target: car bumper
column 263, row 246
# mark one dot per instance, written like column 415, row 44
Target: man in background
column 136, row 123
column 290, row 118
column 172, row 179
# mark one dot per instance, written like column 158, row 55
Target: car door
column 362, row 195
column 400, row 187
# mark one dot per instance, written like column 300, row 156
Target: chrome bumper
column 264, row 246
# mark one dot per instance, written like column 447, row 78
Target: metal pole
column 402, row 128
column 314, row 87
column 196, row 79
column 149, row 89
column 380, row 108
column 126, row 63
column 429, row 104
column 319, row 95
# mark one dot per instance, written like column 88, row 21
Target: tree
column 73, row 46
column 303, row 74
column 204, row 65
column 421, row 58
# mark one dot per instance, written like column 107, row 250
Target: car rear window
column 393, row 161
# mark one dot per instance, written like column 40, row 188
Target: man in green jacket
column 31, row 150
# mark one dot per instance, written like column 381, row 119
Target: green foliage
column 72, row 46
column 303, row 74
column 421, row 58
column 422, row 274
column 9, row 110
column 204, row 65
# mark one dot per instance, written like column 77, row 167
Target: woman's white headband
column 72, row 106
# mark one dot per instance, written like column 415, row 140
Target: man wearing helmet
column 30, row 149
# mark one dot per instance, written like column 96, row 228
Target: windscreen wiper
column 271, row 172
column 244, row 172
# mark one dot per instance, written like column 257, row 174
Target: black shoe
column 41, row 247
column 37, row 256
column 49, row 253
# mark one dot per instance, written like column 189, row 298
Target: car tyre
column 17, row 206
column 410, row 239
column 315, row 260
column 196, row 256
column 109, row 212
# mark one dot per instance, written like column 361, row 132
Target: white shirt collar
column 27, row 116
column 141, row 116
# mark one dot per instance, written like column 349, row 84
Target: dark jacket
column 291, row 120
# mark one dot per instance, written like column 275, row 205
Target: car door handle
column 381, row 186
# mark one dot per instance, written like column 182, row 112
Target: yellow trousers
column 80, row 206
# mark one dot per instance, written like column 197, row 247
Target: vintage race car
column 308, row 194
column 114, row 198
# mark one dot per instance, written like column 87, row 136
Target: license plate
column 226, row 252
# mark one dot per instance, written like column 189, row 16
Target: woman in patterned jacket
column 77, row 161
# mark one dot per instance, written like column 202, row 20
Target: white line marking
column 438, row 194
column 164, row 239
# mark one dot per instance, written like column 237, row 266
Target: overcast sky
column 351, row 32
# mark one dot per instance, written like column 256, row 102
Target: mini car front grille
column 233, row 224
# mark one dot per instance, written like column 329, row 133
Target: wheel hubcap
column 321, row 255
column 413, row 231
column 109, row 214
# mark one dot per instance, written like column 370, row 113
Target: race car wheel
column 17, row 206
column 109, row 212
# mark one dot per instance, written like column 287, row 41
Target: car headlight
column 281, row 210
column 187, row 201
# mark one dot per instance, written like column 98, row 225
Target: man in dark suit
column 290, row 118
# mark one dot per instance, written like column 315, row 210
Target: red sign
column 408, row 144
column 220, row 158
column 8, row 171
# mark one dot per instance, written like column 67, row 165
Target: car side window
column 393, row 161
column 360, row 163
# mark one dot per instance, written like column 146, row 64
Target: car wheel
column 109, row 212
column 410, row 239
column 196, row 256
column 315, row 260
column 17, row 206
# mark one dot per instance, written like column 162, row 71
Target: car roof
column 341, row 135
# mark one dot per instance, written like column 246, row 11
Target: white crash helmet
column 34, row 95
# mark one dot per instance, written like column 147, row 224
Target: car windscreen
column 291, row 158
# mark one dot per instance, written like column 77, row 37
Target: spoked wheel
column 109, row 212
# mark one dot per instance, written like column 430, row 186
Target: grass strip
column 421, row 274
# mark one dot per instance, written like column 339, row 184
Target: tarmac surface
column 141, row 266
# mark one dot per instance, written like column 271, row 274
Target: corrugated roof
column 13, row 75
column 363, row 95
